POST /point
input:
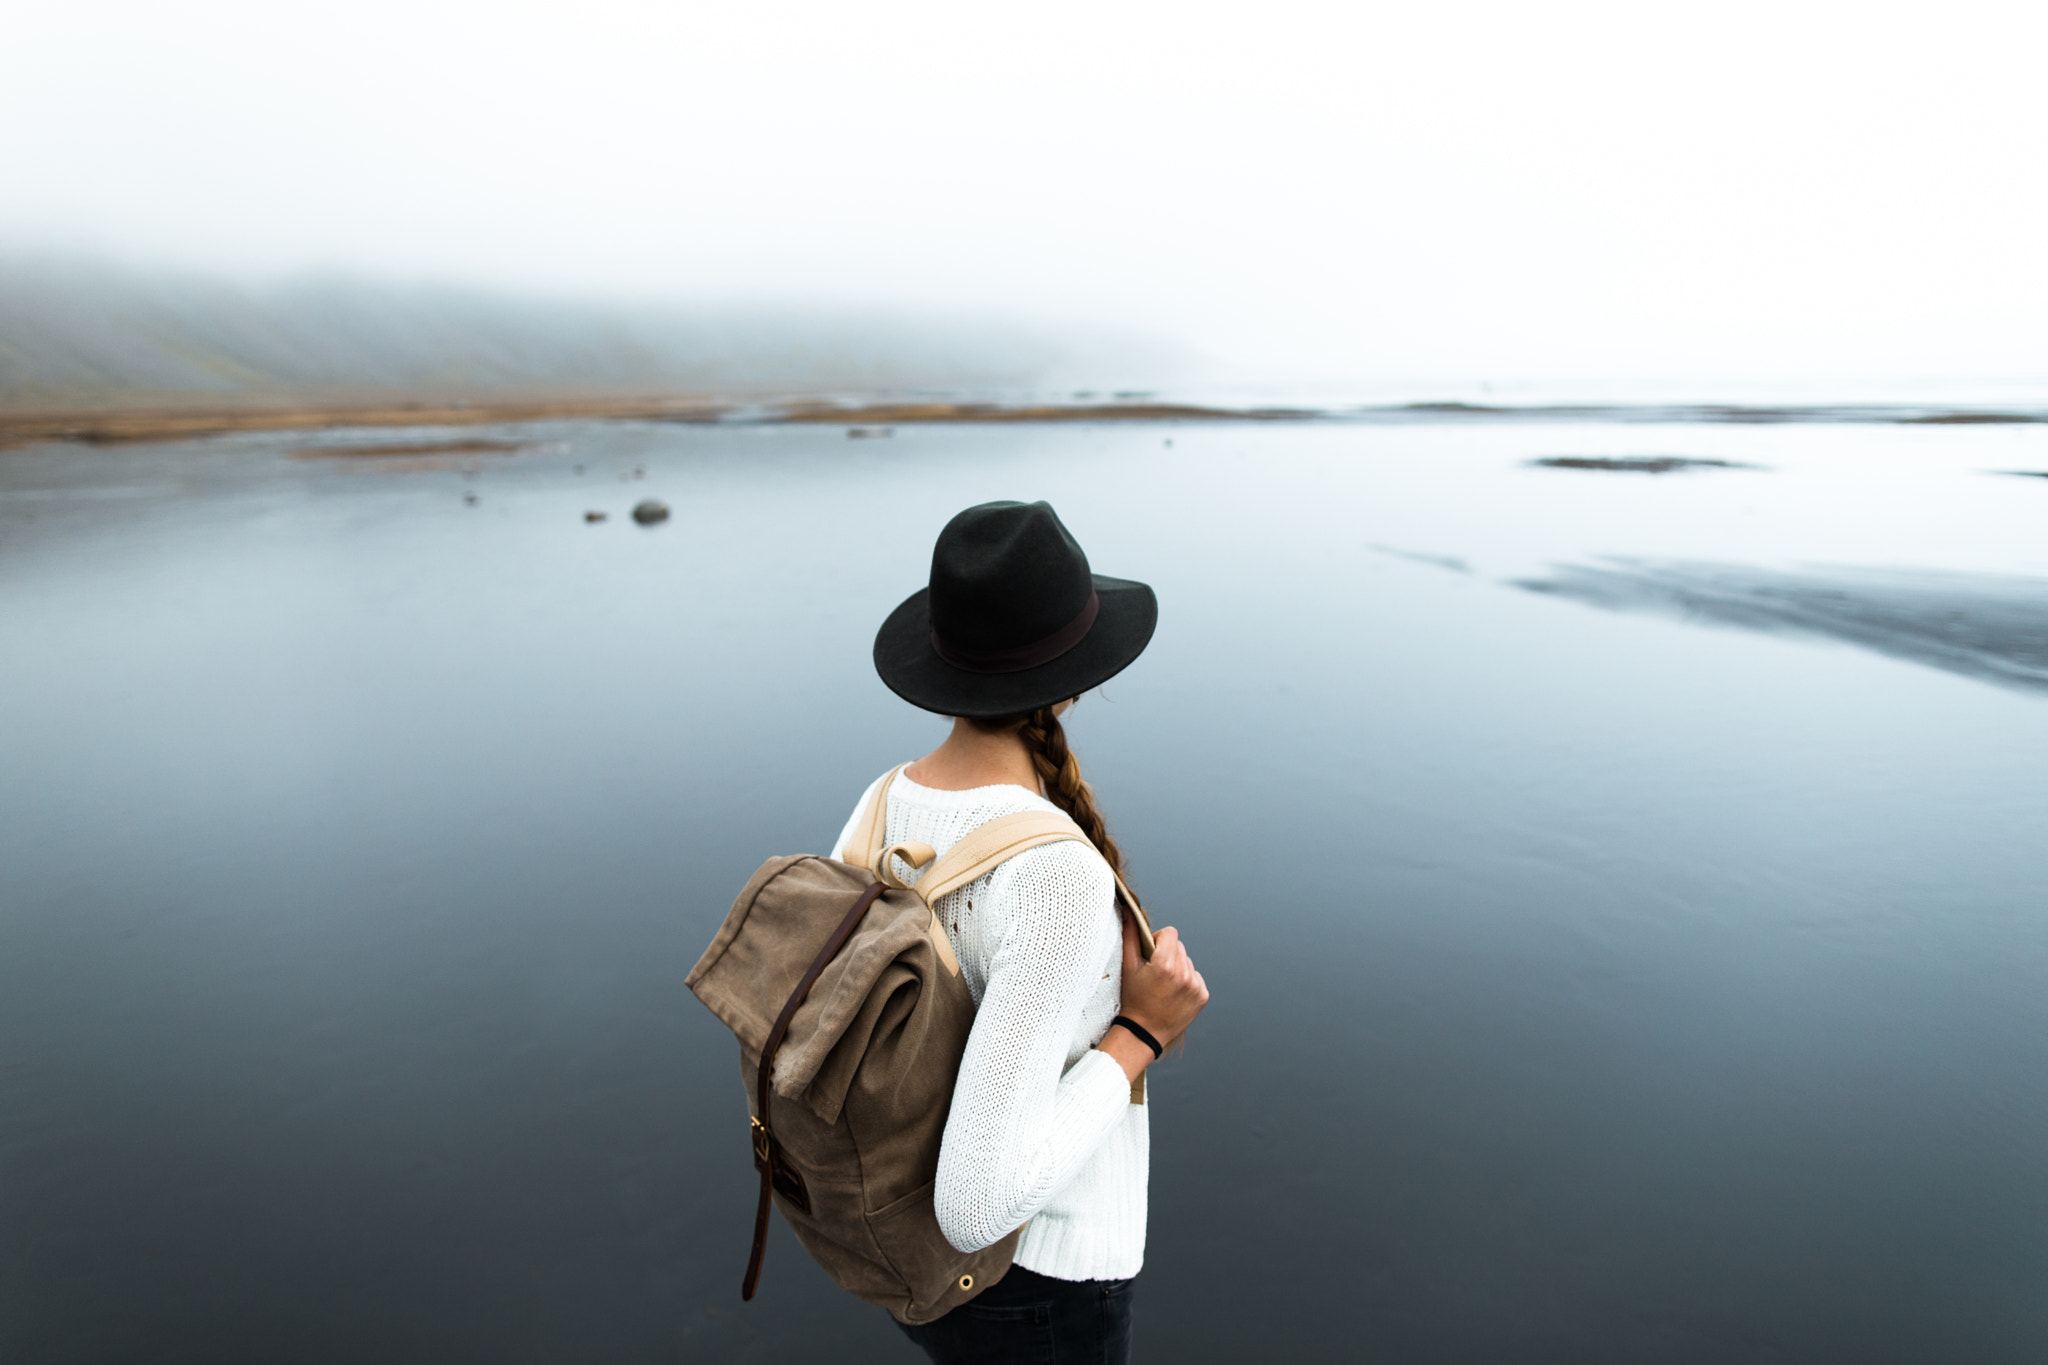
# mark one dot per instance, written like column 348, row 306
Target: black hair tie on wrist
column 1138, row 1031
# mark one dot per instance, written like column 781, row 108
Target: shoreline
column 113, row 424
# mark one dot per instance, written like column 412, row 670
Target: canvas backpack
column 846, row 997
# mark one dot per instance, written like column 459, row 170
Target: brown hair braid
column 1060, row 771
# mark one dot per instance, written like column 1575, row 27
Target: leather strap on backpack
column 767, row 1156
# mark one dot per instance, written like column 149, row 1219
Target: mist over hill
column 78, row 332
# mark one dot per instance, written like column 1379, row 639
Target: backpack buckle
column 787, row 1180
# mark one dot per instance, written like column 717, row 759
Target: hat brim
column 914, row 671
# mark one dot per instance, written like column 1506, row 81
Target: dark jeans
column 1033, row 1319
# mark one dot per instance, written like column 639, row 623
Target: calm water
column 1625, row 896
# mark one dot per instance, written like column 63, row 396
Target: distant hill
column 78, row 333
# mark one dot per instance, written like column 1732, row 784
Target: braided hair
column 1060, row 771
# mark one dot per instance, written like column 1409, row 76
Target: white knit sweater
column 1042, row 1130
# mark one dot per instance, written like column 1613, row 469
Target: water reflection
column 1988, row 626
column 1583, row 991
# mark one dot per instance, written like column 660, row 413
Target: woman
column 1047, row 1127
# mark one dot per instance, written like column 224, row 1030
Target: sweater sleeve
column 1023, row 1122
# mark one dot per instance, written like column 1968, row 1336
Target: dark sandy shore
column 120, row 424
column 116, row 422
column 390, row 449
column 906, row 414
column 1634, row 464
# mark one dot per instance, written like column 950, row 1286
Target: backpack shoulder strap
column 989, row 845
column 864, row 846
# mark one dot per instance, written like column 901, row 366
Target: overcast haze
column 1328, row 193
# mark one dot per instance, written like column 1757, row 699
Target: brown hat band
column 1024, row 656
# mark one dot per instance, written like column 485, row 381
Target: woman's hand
column 1162, row 996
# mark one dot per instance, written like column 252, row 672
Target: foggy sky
column 1315, row 191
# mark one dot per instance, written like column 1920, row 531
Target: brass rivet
column 967, row 1282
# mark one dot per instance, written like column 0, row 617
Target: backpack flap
column 867, row 992
column 766, row 944
column 744, row 977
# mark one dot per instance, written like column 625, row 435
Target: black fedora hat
column 1013, row 619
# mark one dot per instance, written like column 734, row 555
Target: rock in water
column 593, row 516
column 651, row 512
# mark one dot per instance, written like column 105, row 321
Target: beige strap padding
column 865, row 848
column 916, row 854
column 983, row 848
column 989, row 845
column 864, row 845
column 936, row 932
column 1002, row 839
column 1138, row 917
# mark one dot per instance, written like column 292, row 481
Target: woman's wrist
column 1141, row 1033
column 1126, row 1051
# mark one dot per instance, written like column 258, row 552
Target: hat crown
column 1006, row 575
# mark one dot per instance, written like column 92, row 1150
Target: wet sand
column 1634, row 464
column 887, row 414
column 122, row 425
column 115, row 422
column 391, row 450
column 126, row 425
